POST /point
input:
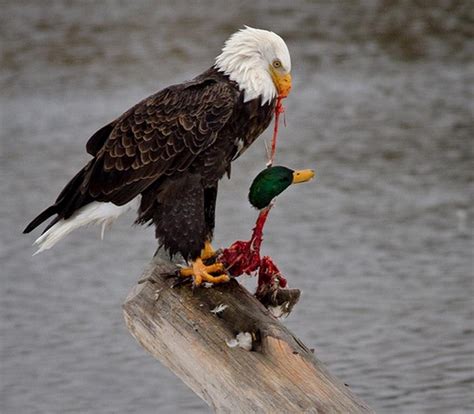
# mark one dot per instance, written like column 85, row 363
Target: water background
column 380, row 244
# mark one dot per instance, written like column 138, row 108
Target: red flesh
column 244, row 257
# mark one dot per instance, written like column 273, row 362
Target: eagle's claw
column 202, row 273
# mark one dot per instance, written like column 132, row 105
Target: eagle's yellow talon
column 201, row 272
column 216, row 279
column 186, row 272
column 216, row 267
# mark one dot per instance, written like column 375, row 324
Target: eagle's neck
column 248, row 73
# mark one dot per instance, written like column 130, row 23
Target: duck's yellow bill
column 301, row 176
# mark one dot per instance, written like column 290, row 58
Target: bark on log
column 279, row 375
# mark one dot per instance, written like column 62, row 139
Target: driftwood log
column 229, row 349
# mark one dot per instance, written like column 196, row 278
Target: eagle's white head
column 259, row 61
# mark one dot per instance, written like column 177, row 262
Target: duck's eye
column 276, row 64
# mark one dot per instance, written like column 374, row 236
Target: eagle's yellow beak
column 282, row 82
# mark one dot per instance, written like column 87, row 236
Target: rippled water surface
column 380, row 243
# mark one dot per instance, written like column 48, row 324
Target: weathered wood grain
column 279, row 375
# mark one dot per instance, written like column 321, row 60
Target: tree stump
column 229, row 349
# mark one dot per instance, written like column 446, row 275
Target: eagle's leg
column 208, row 252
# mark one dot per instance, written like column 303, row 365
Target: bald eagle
column 166, row 154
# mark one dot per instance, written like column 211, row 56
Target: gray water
column 380, row 243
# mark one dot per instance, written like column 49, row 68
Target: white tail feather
column 93, row 213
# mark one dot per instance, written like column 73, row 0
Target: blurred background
column 380, row 243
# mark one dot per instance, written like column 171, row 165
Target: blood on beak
column 282, row 83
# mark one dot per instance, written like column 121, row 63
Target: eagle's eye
column 276, row 64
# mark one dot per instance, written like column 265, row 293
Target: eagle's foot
column 202, row 273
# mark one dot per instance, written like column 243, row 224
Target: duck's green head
column 273, row 181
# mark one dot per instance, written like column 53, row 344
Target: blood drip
column 279, row 109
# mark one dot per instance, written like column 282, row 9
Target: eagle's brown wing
column 161, row 135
